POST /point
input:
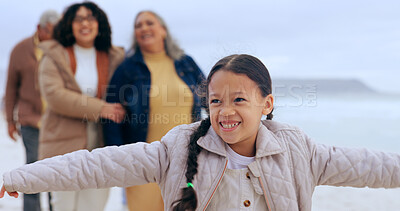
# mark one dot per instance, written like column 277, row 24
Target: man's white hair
column 49, row 16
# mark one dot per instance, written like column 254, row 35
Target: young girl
column 232, row 160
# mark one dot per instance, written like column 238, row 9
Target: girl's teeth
column 228, row 126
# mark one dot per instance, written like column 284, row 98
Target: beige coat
column 64, row 121
column 287, row 168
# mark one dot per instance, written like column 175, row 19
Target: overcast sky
column 295, row 39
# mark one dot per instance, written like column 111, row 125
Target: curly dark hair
column 63, row 30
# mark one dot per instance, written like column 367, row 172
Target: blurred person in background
column 73, row 76
column 23, row 105
column 157, row 85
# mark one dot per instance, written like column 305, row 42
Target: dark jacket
column 130, row 86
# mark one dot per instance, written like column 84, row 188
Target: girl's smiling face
column 236, row 107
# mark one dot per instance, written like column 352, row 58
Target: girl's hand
column 3, row 190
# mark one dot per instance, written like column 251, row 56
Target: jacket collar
column 58, row 54
column 54, row 49
column 49, row 45
column 135, row 56
column 267, row 143
column 212, row 142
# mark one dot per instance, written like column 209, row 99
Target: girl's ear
column 269, row 104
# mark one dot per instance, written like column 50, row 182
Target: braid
column 270, row 115
column 189, row 199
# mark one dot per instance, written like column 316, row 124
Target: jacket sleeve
column 112, row 131
column 355, row 167
column 123, row 166
column 11, row 93
column 62, row 100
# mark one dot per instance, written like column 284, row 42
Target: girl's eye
column 239, row 99
column 215, row 101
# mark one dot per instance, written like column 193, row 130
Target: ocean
column 355, row 120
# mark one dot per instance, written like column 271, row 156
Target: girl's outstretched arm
column 355, row 167
column 128, row 165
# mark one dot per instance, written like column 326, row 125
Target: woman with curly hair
column 73, row 75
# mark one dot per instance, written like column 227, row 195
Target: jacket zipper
column 265, row 194
column 219, row 181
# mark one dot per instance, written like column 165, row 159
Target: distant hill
column 321, row 86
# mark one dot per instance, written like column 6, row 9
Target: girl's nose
column 227, row 111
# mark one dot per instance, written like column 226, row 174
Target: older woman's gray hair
column 171, row 47
column 49, row 16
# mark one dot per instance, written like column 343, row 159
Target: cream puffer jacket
column 287, row 168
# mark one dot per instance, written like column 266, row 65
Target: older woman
column 157, row 84
column 73, row 74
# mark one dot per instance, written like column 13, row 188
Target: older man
column 23, row 103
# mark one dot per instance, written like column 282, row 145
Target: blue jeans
column 30, row 137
